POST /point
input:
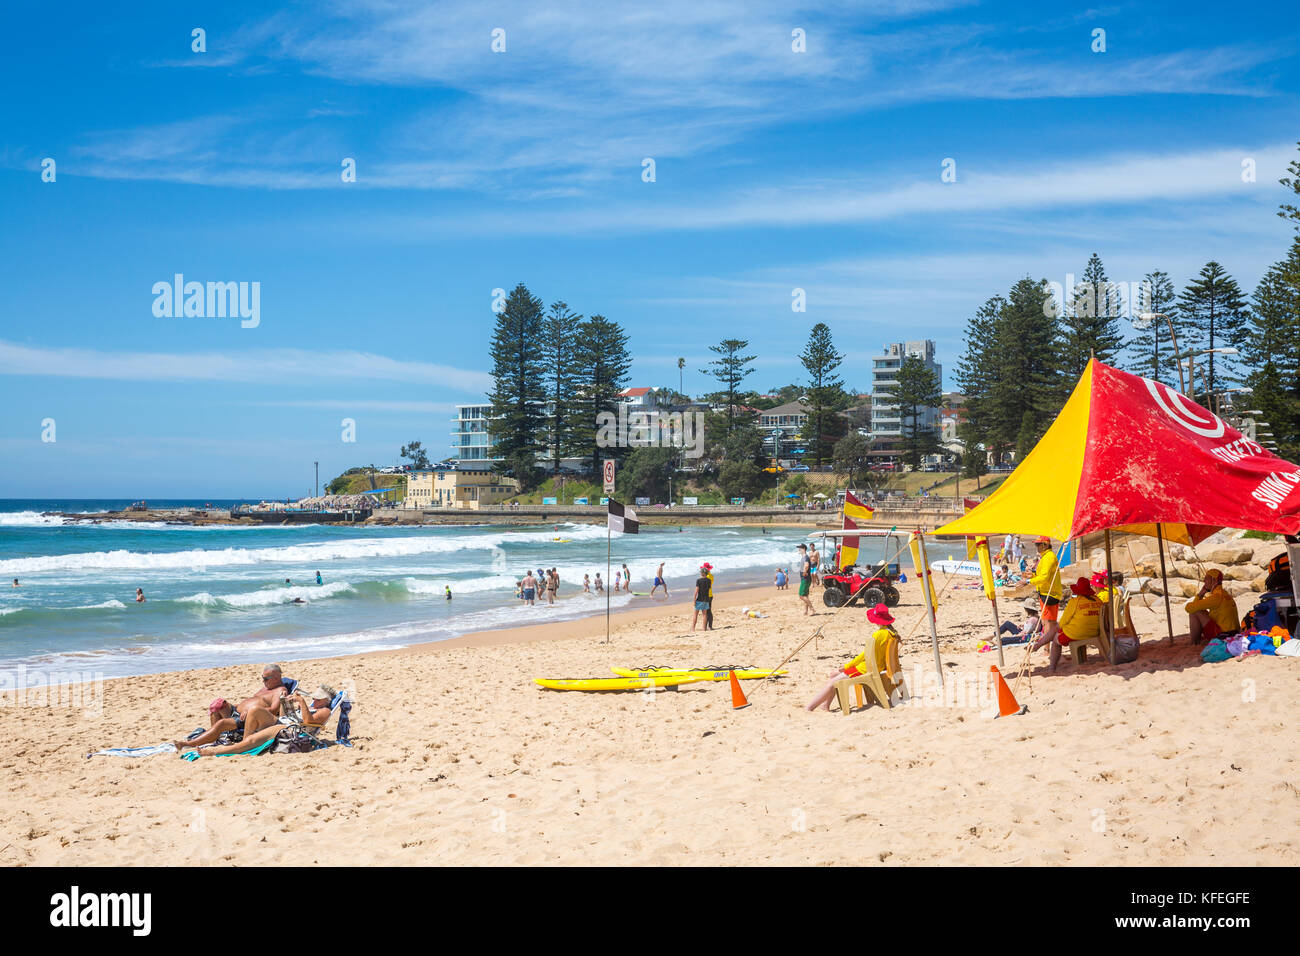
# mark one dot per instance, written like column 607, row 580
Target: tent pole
column 929, row 605
column 1164, row 580
column 1110, row 605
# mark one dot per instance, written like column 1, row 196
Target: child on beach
column 618, row 580
column 627, row 579
column 782, row 582
column 586, row 584
column 703, row 587
column 600, row 585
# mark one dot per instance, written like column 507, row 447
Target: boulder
column 1258, row 583
column 1241, row 572
column 1231, row 554
column 1184, row 569
column 1237, row 588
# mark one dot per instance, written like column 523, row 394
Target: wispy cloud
column 581, row 95
column 268, row 367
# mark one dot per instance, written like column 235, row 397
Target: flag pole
column 608, row 547
column 929, row 604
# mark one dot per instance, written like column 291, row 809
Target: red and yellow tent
column 1127, row 453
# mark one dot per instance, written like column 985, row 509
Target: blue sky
column 476, row 170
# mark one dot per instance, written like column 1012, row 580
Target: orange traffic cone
column 737, row 695
column 1007, row 706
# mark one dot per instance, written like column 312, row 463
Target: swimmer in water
column 448, row 592
column 139, row 595
column 319, row 580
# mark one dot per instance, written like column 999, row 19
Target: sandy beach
column 460, row 759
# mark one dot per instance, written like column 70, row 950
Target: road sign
column 609, row 476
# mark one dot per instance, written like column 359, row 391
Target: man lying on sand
column 312, row 711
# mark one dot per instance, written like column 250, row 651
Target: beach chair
column 1079, row 649
column 341, row 708
column 880, row 687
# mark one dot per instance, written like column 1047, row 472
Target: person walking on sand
column 805, row 579
column 659, row 581
column 703, row 587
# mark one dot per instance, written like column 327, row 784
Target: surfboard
column 616, row 683
column 696, row 674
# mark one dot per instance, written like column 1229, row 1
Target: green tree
column 602, row 364
column 1291, row 182
column 917, row 391
column 645, row 473
column 731, row 369
column 825, row 394
column 415, row 453
column 1152, row 349
column 976, row 372
column 517, row 396
column 1026, row 370
column 1090, row 324
column 852, row 457
column 559, row 353
column 1272, row 350
column 1215, row 312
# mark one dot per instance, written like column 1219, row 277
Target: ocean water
column 218, row 595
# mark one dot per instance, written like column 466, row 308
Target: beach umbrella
column 819, row 495
column 1130, row 454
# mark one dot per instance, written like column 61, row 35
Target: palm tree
column 681, row 364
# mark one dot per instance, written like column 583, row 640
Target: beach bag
column 1279, row 573
column 1265, row 616
column 290, row 741
column 1126, row 649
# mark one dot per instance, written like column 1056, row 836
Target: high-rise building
column 886, row 417
column 471, row 438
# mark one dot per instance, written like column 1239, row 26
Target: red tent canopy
column 1129, row 453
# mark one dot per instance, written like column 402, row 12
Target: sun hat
column 323, row 692
column 1098, row 580
column 879, row 615
column 1031, row 605
column 1083, row 588
column 707, row 566
column 1214, row 573
column 216, row 705
column 1043, row 539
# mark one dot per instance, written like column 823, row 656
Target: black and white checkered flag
column 622, row 518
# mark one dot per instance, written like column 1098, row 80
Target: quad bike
column 859, row 586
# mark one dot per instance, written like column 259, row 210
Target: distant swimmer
column 297, row 601
column 600, row 585
column 139, row 595
column 659, row 581
column 448, row 592
column 16, row 584
column 319, row 580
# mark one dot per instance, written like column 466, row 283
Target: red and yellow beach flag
column 853, row 509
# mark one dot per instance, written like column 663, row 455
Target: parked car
column 800, row 468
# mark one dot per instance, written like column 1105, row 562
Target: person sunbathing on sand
column 313, row 711
column 226, row 719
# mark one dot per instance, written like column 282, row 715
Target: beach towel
column 135, row 751
column 193, row 755
column 1290, row 649
column 1215, row 651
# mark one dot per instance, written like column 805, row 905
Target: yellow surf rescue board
column 695, row 674
column 617, row 683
